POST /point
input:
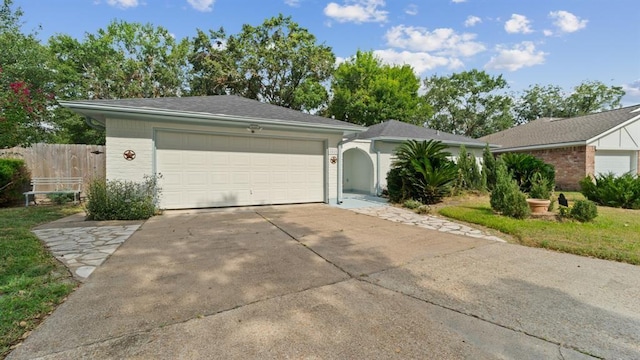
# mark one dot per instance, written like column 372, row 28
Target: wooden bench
column 69, row 185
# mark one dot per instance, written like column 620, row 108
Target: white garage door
column 617, row 162
column 203, row 170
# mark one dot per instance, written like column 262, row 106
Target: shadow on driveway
column 315, row 281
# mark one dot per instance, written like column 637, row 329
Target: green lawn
column 613, row 235
column 32, row 281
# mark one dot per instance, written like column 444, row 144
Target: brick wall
column 572, row 164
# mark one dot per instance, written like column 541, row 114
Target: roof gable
column 552, row 131
column 397, row 130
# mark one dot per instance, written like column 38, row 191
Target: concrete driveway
column 311, row 281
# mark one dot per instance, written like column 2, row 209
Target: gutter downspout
column 339, row 198
column 93, row 123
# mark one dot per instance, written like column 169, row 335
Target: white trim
column 199, row 117
column 542, row 147
column 613, row 129
column 446, row 142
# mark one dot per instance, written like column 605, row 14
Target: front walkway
column 379, row 207
column 82, row 245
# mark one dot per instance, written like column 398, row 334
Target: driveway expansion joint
column 560, row 345
column 306, row 247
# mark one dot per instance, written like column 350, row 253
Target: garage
column 220, row 150
column 616, row 162
column 215, row 170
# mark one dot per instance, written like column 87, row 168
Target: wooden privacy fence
column 62, row 160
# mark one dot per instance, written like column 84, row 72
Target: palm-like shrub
column 421, row 171
column 523, row 168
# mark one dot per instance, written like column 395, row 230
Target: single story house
column 368, row 155
column 215, row 151
column 605, row 142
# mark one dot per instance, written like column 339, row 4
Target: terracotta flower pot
column 538, row 206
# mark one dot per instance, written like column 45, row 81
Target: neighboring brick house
column 604, row 142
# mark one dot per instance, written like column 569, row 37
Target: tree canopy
column 277, row 62
column 551, row 101
column 470, row 103
column 25, row 83
column 366, row 92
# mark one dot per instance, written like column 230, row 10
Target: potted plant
column 539, row 195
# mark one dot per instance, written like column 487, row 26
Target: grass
column 613, row 235
column 32, row 281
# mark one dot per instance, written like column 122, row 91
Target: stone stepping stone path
column 83, row 249
column 430, row 222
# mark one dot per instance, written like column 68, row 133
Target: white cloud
column 472, row 21
column 518, row 24
column 292, row 3
column 519, row 56
column 412, row 10
column 202, row 5
column 123, row 3
column 443, row 41
column 632, row 89
column 419, row 61
column 547, row 32
column 458, row 1
column 567, row 22
column 357, row 11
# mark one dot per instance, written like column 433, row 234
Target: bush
column 583, row 210
column 421, row 171
column 488, row 168
column 469, row 177
column 412, row 204
column 122, row 200
column 539, row 187
column 609, row 190
column 523, row 168
column 506, row 196
column 61, row 198
column 14, row 181
column 395, row 186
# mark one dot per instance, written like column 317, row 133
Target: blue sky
column 559, row 42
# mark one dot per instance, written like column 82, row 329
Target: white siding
column 138, row 136
column 625, row 138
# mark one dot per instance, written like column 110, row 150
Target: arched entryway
column 357, row 172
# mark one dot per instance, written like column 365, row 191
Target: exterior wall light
column 253, row 128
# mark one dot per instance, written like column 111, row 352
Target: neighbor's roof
column 399, row 131
column 221, row 107
column 552, row 131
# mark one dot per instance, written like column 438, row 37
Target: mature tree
column 539, row 101
column 278, row 62
column 25, row 83
column 125, row 60
column 468, row 103
column 593, row 96
column 551, row 101
column 366, row 92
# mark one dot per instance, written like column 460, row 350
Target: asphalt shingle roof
column 548, row 131
column 397, row 130
column 229, row 105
